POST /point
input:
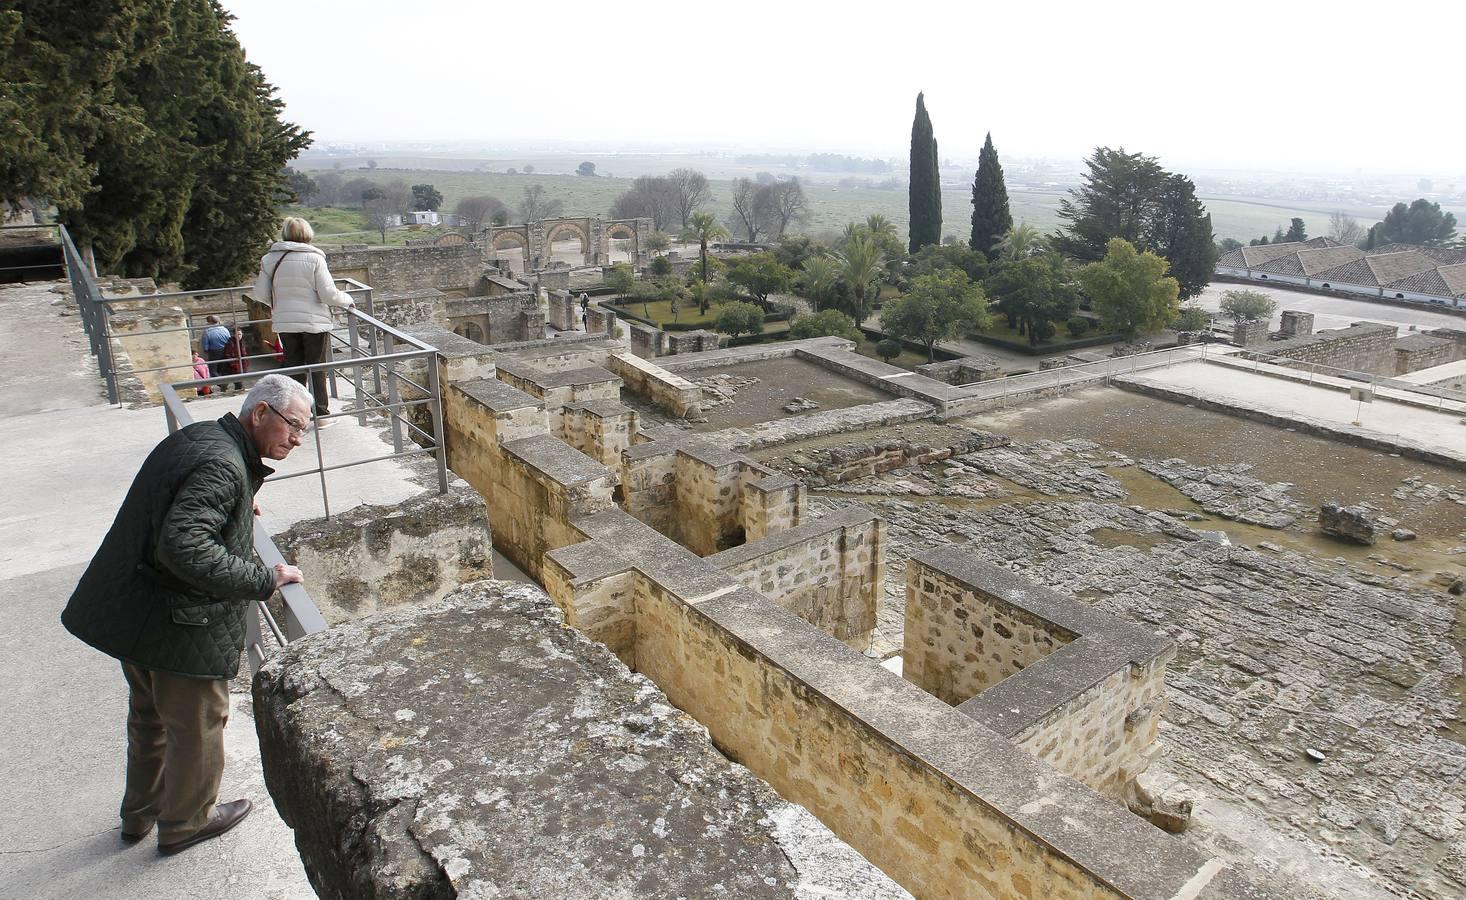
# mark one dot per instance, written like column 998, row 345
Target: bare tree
column 534, row 206
column 479, row 211
column 650, row 197
column 689, row 191
column 398, row 195
column 328, row 188
column 380, row 215
column 750, row 207
column 788, row 204
column 1344, row 229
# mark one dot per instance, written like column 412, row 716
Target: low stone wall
column 1251, row 335
column 839, row 464
column 646, row 342
column 1362, row 347
column 1422, row 351
column 820, row 424
column 830, row 571
column 539, row 767
column 402, row 309
column 1079, row 689
column 559, row 387
column 372, row 558
column 963, row 370
column 564, row 313
column 665, row 390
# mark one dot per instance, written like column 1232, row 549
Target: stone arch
column 451, row 239
column 620, row 230
column 496, row 240
column 471, row 331
column 555, row 229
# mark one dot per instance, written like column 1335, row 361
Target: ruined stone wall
column 847, row 463
column 596, row 592
column 600, row 429
column 453, row 270
column 502, row 319
column 649, row 488
column 1422, row 351
column 830, row 572
column 665, row 390
column 647, row 342
column 709, row 501
column 1251, row 334
column 891, row 794
column 372, row 558
column 960, row 640
column 965, row 370
column 1079, row 689
column 402, row 309
column 1106, row 736
column 1362, row 347
column 564, row 312
column 771, row 504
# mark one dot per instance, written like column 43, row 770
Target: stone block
column 1350, row 523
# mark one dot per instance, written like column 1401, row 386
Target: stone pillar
column 1296, row 323
column 599, row 320
column 1250, row 334
column 564, row 314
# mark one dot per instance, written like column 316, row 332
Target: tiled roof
column 1427, row 282
column 1391, row 267
column 1310, row 261
column 1446, row 255
column 1455, row 279
column 1355, row 272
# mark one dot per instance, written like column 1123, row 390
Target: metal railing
column 1014, row 386
column 1438, row 395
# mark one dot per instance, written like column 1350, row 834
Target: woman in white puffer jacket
column 300, row 291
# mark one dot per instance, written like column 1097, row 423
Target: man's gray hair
column 276, row 390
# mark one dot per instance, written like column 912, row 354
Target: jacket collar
column 295, row 247
column 235, row 429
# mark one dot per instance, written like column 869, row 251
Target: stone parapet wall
column 454, row 270
column 1362, row 347
column 829, row 571
column 372, row 558
column 1079, row 689
column 662, row 388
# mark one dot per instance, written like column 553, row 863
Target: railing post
column 435, row 405
column 357, row 380
column 254, row 640
column 393, row 412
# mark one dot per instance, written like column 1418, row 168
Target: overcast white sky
column 1306, row 86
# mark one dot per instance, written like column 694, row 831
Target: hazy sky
column 1301, row 86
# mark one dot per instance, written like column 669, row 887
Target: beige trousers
column 175, row 751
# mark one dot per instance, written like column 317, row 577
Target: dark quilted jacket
column 169, row 587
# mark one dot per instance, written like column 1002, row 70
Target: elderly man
column 167, row 594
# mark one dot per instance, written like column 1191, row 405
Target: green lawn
column 909, row 359
column 999, row 329
column 660, row 312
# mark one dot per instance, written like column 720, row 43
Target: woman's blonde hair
column 298, row 230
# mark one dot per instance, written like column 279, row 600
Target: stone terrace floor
column 63, row 709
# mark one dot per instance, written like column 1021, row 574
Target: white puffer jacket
column 296, row 284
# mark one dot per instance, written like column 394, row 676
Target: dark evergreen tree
column 991, row 217
column 1119, row 198
column 1181, row 232
column 1279, row 236
column 179, row 137
column 1296, row 232
column 926, row 186
column 1422, row 222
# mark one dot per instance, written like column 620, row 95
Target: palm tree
column 820, row 274
column 880, row 226
column 860, row 264
column 1020, row 242
column 704, row 228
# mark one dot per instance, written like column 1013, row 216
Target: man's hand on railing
column 285, row 574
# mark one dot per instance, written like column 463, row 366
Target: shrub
column 740, row 318
column 1078, row 326
column 827, row 323
column 888, row 348
column 661, row 266
column 1192, row 318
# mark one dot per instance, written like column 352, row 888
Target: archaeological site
column 597, row 608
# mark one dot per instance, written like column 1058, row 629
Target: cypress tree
column 991, row 217
column 926, row 187
column 1182, row 234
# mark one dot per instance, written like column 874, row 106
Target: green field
column 830, row 207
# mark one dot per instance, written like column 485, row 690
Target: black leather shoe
column 226, row 816
column 129, row 837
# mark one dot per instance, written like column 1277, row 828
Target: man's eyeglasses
column 295, row 429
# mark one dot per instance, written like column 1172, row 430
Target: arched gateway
column 536, row 238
